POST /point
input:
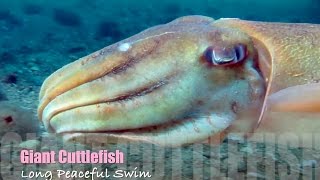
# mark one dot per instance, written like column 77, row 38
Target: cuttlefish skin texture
column 158, row 86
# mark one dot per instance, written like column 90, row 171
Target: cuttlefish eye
column 225, row 55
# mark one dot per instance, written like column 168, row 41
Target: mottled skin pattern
column 157, row 86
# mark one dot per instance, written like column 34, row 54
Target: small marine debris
column 10, row 79
column 66, row 18
column 31, row 9
column 108, row 29
column 16, row 119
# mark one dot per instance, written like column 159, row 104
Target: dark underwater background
column 37, row 37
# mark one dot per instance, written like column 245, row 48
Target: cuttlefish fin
column 300, row 98
column 290, row 115
column 294, row 109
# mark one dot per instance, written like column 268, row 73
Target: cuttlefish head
column 172, row 84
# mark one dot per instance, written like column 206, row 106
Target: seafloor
column 38, row 37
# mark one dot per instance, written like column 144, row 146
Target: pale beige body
column 157, row 87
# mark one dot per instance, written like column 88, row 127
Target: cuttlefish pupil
column 224, row 55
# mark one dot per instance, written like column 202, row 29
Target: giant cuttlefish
column 189, row 80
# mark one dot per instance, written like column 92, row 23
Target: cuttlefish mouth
column 172, row 84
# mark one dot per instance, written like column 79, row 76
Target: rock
column 10, row 79
column 31, row 9
column 16, row 119
column 9, row 18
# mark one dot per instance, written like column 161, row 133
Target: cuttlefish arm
column 174, row 84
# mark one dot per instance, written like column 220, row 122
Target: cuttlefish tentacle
column 185, row 81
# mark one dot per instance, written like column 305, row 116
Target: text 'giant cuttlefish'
column 188, row 80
